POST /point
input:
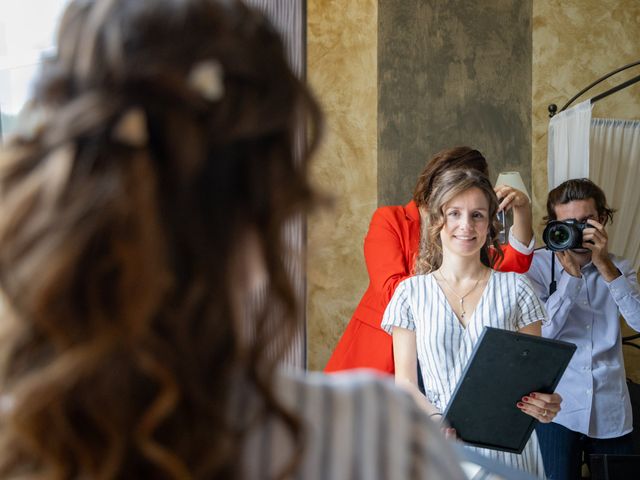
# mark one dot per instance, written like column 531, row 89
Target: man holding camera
column 585, row 290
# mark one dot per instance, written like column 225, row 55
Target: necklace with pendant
column 460, row 297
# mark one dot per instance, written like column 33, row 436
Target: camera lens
column 560, row 235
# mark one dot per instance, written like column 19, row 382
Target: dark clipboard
column 504, row 366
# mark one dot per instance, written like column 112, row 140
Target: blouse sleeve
column 398, row 312
column 530, row 308
column 513, row 261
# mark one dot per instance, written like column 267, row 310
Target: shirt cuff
column 569, row 286
column 619, row 287
column 519, row 246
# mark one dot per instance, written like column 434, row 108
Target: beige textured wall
column 342, row 70
column 576, row 42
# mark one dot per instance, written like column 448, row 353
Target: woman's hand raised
column 510, row 197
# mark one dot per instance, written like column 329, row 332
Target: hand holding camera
column 563, row 236
column 597, row 240
column 569, row 263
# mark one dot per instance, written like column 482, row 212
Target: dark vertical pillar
column 452, row 73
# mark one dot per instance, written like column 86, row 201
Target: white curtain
column 615, row 167
column 568, row 147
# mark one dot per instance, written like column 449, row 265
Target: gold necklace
column 461, row 298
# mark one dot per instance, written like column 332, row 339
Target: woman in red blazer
column 390, row 248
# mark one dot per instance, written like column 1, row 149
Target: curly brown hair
column 450, row 184
column 119, row 262
column 444, row 160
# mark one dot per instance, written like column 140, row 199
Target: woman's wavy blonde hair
column 449, row 185
column 119, row 260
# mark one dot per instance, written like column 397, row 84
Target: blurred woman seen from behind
column 143, row 203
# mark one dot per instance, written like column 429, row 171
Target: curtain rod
column 631, row 81
column 553, row 108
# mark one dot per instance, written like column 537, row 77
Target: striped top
column 358, row 426
column 444, row 345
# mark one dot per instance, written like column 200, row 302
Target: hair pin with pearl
column 131, row 128
column 206, row 77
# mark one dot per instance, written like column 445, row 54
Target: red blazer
column 390, row 248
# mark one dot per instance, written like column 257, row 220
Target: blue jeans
column 562, row 449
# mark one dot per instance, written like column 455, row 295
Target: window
column 27, row 29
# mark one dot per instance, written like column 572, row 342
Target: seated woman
column 390, row 248
column 437, row 316
column 141, row 209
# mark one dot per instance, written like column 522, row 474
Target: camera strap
column 552, row 285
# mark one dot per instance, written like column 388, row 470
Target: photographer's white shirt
column 585, row 311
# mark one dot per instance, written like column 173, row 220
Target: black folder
column 504, row 367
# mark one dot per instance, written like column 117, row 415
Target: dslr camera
column 561, row 235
